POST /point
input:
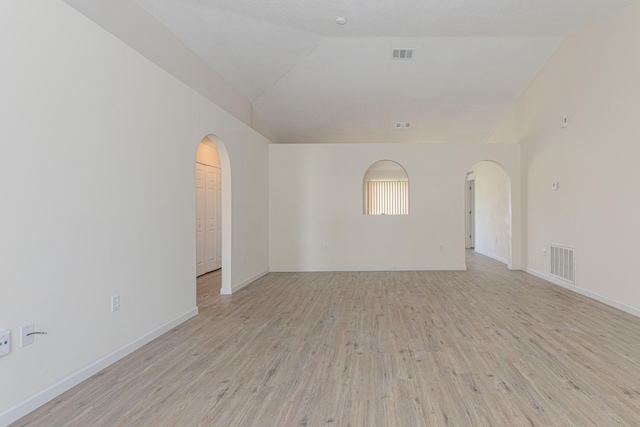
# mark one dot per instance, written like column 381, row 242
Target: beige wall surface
column 316, row 219
column 594, row 77
column 104, row 204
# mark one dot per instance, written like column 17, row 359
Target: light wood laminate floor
column 482, row 347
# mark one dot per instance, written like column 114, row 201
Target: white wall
column 150, row 38
column 594, row 77
column 493, row 211
column 103, row 202
column 316, row 201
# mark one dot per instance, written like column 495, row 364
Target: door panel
column 200, row 219
column 219, row 217
column 211, row 253
column 208, row 219
column 470, row 193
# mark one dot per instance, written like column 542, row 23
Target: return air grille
column 563, row 263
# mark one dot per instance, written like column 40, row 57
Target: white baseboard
column 23, row 408
column 497, row 258
column 308, row 269
column 584, row 292
column 238, row 286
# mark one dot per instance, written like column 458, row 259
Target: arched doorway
column 213, row 209
column 488, row 211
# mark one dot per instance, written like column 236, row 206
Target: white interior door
column 219, row 216
column 211, row 251
column 208, row 219
column 470, row 214
column 200, row 218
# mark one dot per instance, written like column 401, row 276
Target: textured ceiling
column 312, row 80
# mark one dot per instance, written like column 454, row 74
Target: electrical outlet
column 5, row 343
column 25, row 338
column 115, row 303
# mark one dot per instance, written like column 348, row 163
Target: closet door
column 208, row 219
column 200, row 218
column 211, row 221
column 219, row 217
column 471, row 214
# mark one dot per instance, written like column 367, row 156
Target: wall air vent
column 563, row 263
column 402, row 53
column 403, row 125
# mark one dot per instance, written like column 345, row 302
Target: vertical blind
column 387, row 198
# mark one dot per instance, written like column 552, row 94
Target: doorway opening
column 488, row 211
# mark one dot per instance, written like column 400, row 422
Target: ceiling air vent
column 402, row 53
column 403, row 125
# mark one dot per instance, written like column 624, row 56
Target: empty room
column 245, row 213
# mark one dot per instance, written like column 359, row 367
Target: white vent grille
column 403, row 125
column 402, row 53
column 563, row 263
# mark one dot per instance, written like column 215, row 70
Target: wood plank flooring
column 482, row 347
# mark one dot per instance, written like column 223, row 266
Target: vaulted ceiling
column 314, row 81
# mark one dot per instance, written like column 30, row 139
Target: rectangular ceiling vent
column 402, row 53
column 403, row 125
column 563, row 263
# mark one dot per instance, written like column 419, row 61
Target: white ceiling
column 312, row 80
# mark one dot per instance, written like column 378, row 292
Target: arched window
column 385, row 189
